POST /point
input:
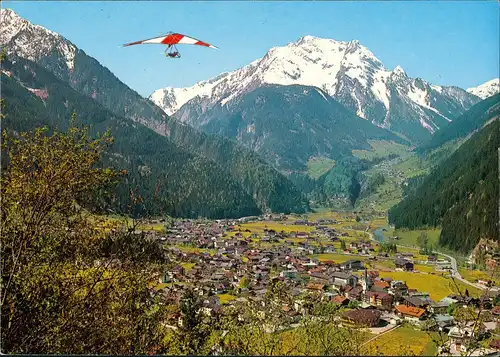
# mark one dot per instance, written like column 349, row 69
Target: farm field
column 191, row 249
column 325, row 213
column 408, row 237
column 402, row 341
column 225, row 298
column 381, row 149
column 378, row 223
column 473, row 275
column 338, row 258
column 424, row 268
column 437, row 286
column 188, row 266
column 413, row 166
column 318, row 166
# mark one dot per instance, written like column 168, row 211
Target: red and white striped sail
column 172, row 39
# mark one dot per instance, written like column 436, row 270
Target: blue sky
column 446, row 42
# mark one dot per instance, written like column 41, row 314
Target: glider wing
column 172, row 39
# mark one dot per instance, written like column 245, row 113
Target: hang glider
column 171, row 40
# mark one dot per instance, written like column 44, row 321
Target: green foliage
column 3, row 54
column 411, row 185
column 481, row 259
column 342, row 181
column 169, row 223
column 193, row 335
column 460, row 195
column 451, row 309
column 372, row 184
column 269, row 189
column 68, row 287
column 388, row 248
column 353, row 304
column 318, row 166
column 382, row 149
column 423, row 243
column 244, row 282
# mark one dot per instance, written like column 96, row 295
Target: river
column 379, row 236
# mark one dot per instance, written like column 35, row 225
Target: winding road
column 455, row 274
column 454, row 270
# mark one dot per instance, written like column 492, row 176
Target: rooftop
column 409, row 310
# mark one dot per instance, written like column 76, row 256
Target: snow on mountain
column 486, row 89
column 347, row 71
column 310, row 61
column 32, row 41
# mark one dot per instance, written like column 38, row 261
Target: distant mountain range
column 347, row 71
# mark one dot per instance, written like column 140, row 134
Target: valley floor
column 318, row 252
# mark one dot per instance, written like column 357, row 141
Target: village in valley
column 388, row 289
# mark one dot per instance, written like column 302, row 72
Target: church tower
column 366, row 283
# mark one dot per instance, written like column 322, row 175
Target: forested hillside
column 271, row 190
column 460, row 194
column 169, row 179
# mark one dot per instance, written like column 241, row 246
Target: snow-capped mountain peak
column 400, row 72
column 31, row 41
column 486, row 89
column 346, row 70
column 311, row 60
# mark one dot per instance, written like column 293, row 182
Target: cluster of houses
column 225, row 238
column 242, row 266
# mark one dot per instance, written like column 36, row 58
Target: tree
column 342, row 244
column 353, row 304
column 65, row 289
column 423, row 240
column 193, row 335
column 244, row 282
column 481, row 258
column 451, row 309
column 388, row 248
column 169, row 223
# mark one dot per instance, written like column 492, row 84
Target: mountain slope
column 270, row 189
column 347, row 71
column 294, row 127
column 288, row 125
column 170, row 179
column 487, row 89
column 467, row 123
column 461, row 194
column 85, row 75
